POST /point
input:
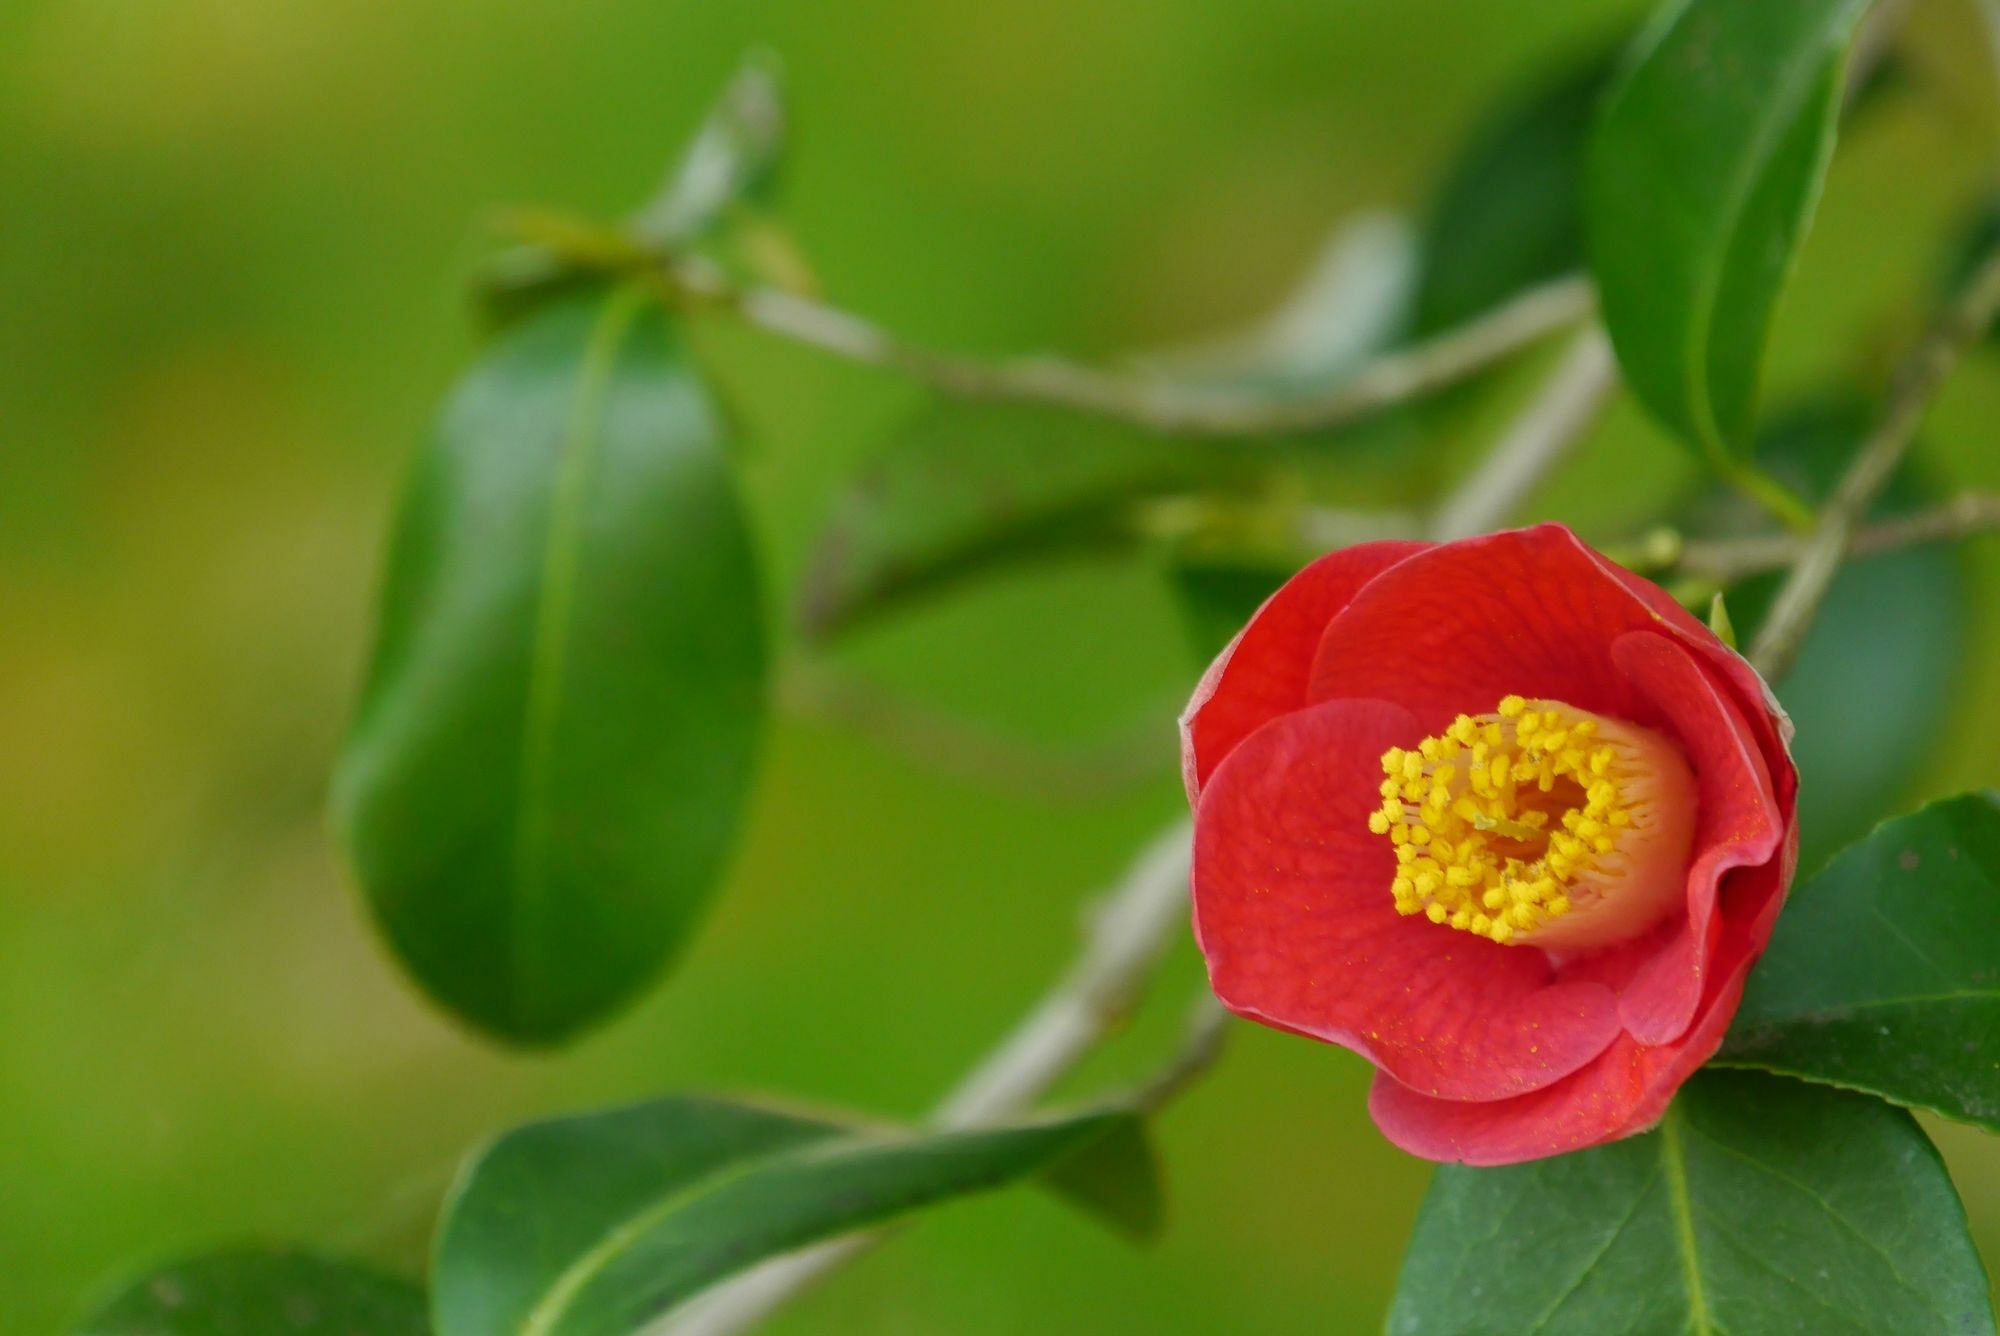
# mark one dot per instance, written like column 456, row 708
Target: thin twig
column 1989, row 19
column 1348, row 302
column 1145, row 398
column 1207, row 1027
column 1918, row 381
column 1726, row 560
column 1126, row 937
column 1564, row 409
column 1880, row 28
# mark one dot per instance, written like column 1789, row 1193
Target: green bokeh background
column 232, row 239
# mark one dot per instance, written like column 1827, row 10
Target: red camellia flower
column 1502, row 818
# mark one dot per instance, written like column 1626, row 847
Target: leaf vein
column 1590, row 1263
column 1674, row 1166
column 548, row 646
column 1819, row 1199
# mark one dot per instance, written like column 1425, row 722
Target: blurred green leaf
column 1891, row 633
column 1507, row 215
column 1884, row 971
column 1728, row 1218
column 1350, row 303
column 1216, row 600
column 733, row 157
column 596, row 1225
column 732, row 160
column 967, row 487
column 253, row 1292
column 1113, row 1178
column 1702, row 175
column 1976, row 236
column 551, row 754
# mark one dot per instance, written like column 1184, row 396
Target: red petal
column 1452, row 630
column 1753, row 696
column 1293, row 912
column 1740, row 826
column 1623, row 1092
column 1262, row 673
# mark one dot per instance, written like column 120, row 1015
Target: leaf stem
column 1127, row 934
column 1148, row 399
column 1536, row 443
column 1923, row 373
column 1727, row 560
column 1781, row 502
column 1207, row 1029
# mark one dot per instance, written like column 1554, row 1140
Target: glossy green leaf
column 1758, row 1205
column 1507, row 214
column 1702, row 176
column 1884, row 971
column 596, row 1225
column 254, row 1292
column 558, row 729
column 1891, row 632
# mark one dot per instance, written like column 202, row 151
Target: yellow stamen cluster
column 1506, row 822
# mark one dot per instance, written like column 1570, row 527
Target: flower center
column 1539, row 824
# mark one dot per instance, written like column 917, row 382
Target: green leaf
column 1507, row 214
column 262, row 1293
column 1758, row 1205
column 1217, row 599
column 971, row 489
column 1348, row 304
column 1884, row 971
column 1718, row 620
column 733, row 157
column 1113, row 1178
column 1702, row 176
column 552, row 750
column 1891, row 632
column 596, row 1225
column 730, row 163
column 968, row 487
column 1975, row 236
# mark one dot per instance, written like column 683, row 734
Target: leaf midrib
column 1827, row 1208
column 561, row 1294
column 1673, row 1164
column 1855, row 1010
column 548, row 646
column 557, row 1302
